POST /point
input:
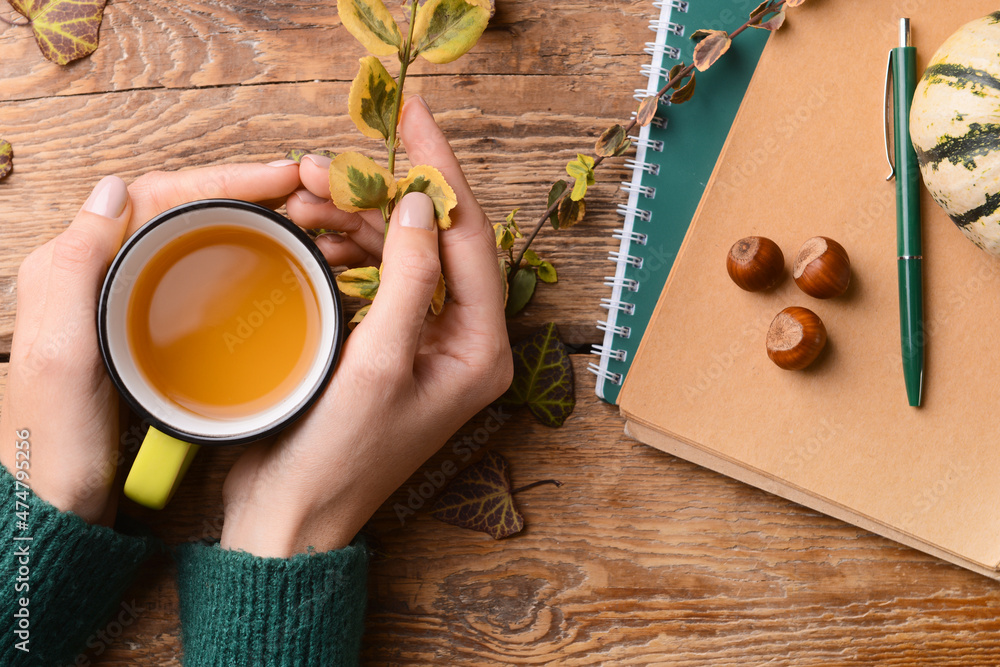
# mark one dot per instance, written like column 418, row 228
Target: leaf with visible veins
column 543, row 377
column 65, row 30
column 479, row 498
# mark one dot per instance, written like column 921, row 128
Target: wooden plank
column 640, row 558
column 512, row 134
column 209, row 43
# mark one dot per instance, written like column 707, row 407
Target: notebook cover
column 805, row 158
column 692, row 139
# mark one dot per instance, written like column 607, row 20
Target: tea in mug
column 224, row 321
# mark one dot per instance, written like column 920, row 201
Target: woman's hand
column 57, row 387
column 406, row 380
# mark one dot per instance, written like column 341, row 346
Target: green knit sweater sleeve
column 239, row 609
column 63, row 577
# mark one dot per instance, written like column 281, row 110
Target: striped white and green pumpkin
column 955, row 128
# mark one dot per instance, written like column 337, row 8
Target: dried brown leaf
column 647, row 110
column 613, row 142
column 772, row 23
column 711, row 48
column 684, row 93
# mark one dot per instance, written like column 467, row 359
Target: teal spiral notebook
column 674, row 159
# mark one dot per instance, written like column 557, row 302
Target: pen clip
column 886, row 117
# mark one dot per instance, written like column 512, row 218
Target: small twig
column 680, row 76
column 404, row 62
column 534, row 484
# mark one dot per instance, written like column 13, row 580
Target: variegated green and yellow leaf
column 581, row 169
column 358, row 316
column 430, row 181
column 358, row 184
column 371, row 99
column 445, row 29
column 65, row 30
column 371, row 24
column 361, row 282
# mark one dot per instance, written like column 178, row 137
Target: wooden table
column 640, row 558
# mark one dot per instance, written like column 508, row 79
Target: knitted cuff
column 239, row 609
column 65, row 577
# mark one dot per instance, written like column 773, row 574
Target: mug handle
column 158, row 469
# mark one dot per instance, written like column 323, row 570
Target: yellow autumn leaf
column 371, row 99
column 361, row 282
column 358, row 316
column 358, row 184
column 444, row 30
column 430, row 181
column 371, row 24
column 437, row 301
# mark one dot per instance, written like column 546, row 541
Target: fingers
column 410, row 273
column 313, row 212
column 78, row 260
column 340, row 250
column 468, row 249
column 314, row 171
column 155, row 192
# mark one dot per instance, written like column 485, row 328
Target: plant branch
column 534, row 484
column 404, row 62
column 680, row 76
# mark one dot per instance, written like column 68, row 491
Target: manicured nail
column 307, row 197
column 108, row 198
column 320, row 161
column 416, row 210
column 423, row 102
column 281, row 163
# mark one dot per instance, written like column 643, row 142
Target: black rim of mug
column 102, row 323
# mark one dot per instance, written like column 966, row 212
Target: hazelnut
column 755, row 263
column 795, row 338
column 822, row 268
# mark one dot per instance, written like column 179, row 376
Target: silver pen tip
column 904, row 32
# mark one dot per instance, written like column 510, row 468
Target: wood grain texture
column 640, row 558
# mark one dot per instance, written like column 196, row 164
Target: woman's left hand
column 57, row 387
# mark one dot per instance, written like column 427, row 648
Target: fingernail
column 281, row 163
column 332, row 237
column 416, row 210
column 424, row 103
column 108, row 198
column 307, row 197
column 320, row 161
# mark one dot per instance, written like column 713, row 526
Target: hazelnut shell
column 755, row 263
column 795, row 338
column 822, row 268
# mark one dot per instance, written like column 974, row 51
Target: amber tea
column 224, row 321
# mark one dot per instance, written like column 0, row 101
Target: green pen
column 903, row 70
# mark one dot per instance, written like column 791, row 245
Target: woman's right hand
column 406, row 381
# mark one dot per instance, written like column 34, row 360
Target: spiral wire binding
column 647, row 191
column 642, row 214
column 633, row 236
column 652, row 144
column 622, row 306
column 631, row 239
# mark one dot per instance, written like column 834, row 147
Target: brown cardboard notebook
column 804, row 158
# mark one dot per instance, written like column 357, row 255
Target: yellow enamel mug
column 178, row 427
